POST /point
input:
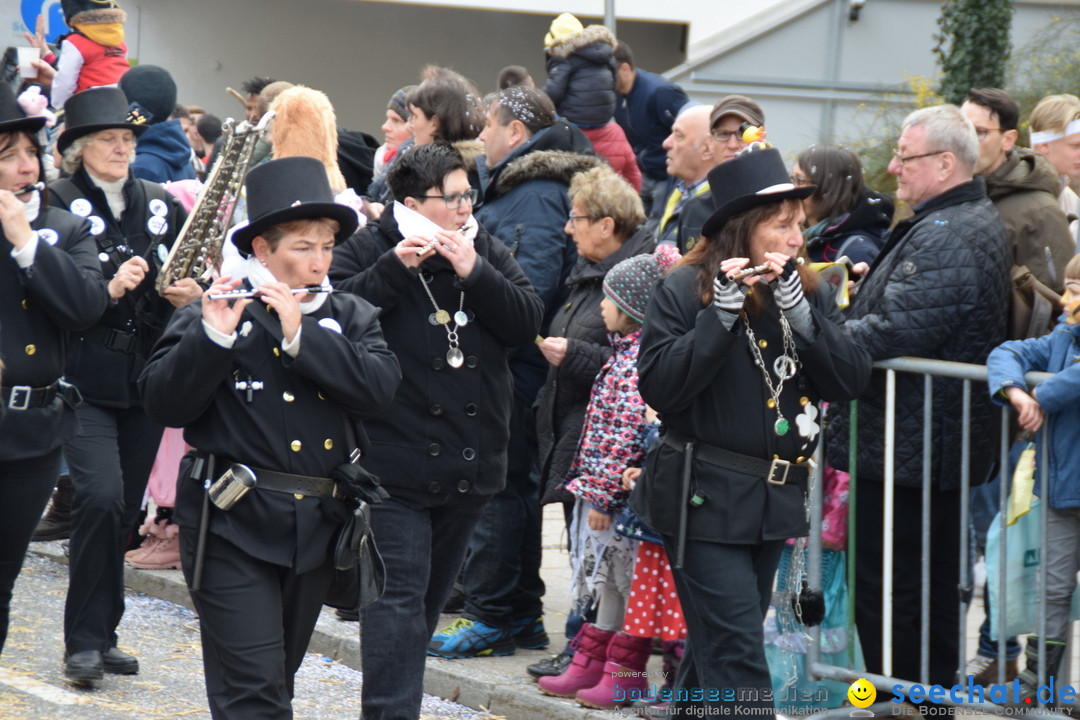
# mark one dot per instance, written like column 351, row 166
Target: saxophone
column 197, row 249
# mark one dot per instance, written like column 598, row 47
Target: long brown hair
column 733, row 240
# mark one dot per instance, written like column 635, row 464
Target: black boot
column 1029, row 678
column 56, row 523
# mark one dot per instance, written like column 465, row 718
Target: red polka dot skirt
column 653, row 609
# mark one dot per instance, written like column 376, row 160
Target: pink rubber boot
column 624, row 678
column 587, row 667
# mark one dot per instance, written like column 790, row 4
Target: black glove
column 356, row 484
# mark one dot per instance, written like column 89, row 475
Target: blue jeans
column 502, row 575
column 422, row 549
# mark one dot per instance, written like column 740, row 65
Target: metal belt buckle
column 774, row 468
column 19, row 399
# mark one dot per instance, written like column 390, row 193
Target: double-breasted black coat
column 63, row 290
column 295, row 423
column 105, row 360
column 446, row 433
column 702, row 379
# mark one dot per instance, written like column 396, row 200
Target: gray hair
column 947, row 129
column 71, row 160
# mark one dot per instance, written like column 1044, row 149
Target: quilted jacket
column 939, row 290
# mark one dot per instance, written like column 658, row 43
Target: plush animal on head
column 305, row 124
column 35, row 104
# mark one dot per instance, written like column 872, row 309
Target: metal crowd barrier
column 930, row 369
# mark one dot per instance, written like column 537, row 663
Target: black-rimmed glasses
column 453, row 200
column 902, row 160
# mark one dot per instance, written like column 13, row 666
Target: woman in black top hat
column 50, row 283
column 736, row 366
column 134, row 223
column 279, row 382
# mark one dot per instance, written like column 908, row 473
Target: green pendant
column 781, row 426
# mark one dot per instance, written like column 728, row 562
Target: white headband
column 1048, row 136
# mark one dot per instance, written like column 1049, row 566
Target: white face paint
column 81, row 207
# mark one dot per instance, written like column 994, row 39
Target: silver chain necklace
column 785, row 366
column 454, row 357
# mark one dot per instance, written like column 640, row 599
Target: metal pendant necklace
column 454, row 357
column 785, row 366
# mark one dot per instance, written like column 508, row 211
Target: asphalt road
column 165, row 637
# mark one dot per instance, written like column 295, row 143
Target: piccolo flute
column 758, row 270
column 29, row 189
column 431, row 245
column 245, row 293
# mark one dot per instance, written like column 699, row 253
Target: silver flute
column 245, row 293
column 431, row 245
column 29, row 189
column 758, row 270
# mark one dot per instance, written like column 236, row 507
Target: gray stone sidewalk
column 498, row 685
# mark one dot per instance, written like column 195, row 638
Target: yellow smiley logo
column 861, row 693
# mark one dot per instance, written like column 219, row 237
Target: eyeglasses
column 724, row 136
column 798, row 181
column 574, row 218
column 902, row 160
column 981, row 132
column 453, row 200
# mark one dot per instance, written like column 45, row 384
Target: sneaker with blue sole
column 466, row 638
column 529, row 633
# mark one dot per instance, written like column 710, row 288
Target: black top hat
column 755, row 177
column 101, row 108
column 12, row 117
column 292, row 188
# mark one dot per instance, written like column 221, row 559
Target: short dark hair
column 532, row 107
column 421, row 168
column 452, row 99
column 512, row 75
column 180, row 111
column 623, row 54
column 999, row 103
column 209, row 127
column 838, row 175
column 255, row 85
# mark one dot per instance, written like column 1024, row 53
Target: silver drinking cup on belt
column 232, row 485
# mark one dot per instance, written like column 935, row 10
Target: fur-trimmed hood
column 557, row 165
column 470, row 150
column 101, row 16
column 580, row 40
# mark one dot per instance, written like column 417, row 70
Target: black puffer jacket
column 939, row 289
column 581, row 77
column 564, row 397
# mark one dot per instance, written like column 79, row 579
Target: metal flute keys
column 758, row 270
column 245, row 293
column 29, row 189
column 431, row 245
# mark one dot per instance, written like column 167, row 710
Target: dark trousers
column 25, row 487
column 725, row 591
column 906, row 605
column 110, row 462
column 255, row 620
column 502, row 574
column 422, row 549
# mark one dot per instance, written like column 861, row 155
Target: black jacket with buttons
column 446, row 433
column 105, row 361
column 294, row 423
column 63, row 290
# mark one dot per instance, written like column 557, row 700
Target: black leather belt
column 24, row 397
column 114, row 339
column 775, row 472
column 293, row 484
